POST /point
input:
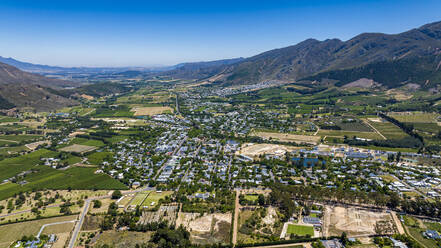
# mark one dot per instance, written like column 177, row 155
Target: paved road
column 397, row 222
column 188, row 169
column 86, row 209
column 52, row 224
column 174, row 152
column 79, row 223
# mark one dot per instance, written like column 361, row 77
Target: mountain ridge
column 312, row 56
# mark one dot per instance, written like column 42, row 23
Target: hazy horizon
column 148, row 33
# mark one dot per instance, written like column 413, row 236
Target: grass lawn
column 139, row 198
column 251, row 197
column 154, row 198
column 300, row 230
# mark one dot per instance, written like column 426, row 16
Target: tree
column 261, row 200
column 344, row 238
column 116, row 194
column 97, row 204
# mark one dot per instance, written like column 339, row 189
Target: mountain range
column 312, row 57
column 392, row 60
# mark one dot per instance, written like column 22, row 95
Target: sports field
column 300, row 230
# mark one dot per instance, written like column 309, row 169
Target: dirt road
column 236, row 218
column 397, row 223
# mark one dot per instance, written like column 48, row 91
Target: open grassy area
column 300, row 230
column 154, row 197
column 122, row 239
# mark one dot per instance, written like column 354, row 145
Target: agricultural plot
column 5, row 119
column 207, row 229
column 78, row 148
column 349, row 134
column 45, row 177
column 98, row 157
column 12, row 150
column 142, row 111
column 19, row 138
column 164, row 213
column 356, row 222
column 389, row 130
column 286, row 137
column 12, row 166
column 415, row 117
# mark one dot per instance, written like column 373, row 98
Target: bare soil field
column 356, row 222
column 150, row 110
column 209, row 228
column 252, row 150
column 78, row 148
column 286, row 137
column 34, row 145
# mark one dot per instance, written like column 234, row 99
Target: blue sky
column 145, row 33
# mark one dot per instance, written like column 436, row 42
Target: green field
column 154, row 198
column 139, row 198
column 389, row 130
column 251, row 197
column 8, row 119
column 45, row 177
column 416, row 117
column 349, row 134
column 98, row 157
column 12, row 166
column 300, row 230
